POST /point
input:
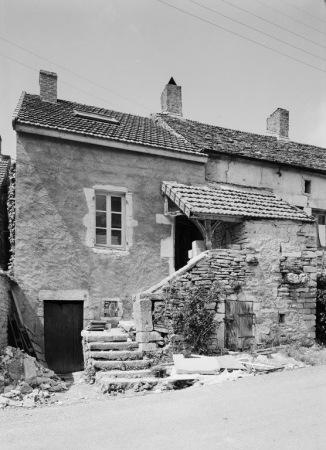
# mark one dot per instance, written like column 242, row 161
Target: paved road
column 277, row 411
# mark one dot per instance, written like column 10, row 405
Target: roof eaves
column 270, row 161
column 105, row 138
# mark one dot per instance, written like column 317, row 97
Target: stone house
column 90, row 223
column 108, row 204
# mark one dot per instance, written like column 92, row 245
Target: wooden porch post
column 208, row 233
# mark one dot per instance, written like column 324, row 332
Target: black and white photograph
column 163, row 224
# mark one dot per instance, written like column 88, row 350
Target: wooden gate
column 63, row 323
column 238, row 323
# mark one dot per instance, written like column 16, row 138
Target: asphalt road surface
column 280, row 411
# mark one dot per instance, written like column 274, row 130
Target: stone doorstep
column 122, row 365
column 123, row 374
column 102, row 336
column 117, row 355
column 112, row 345
column 127, row 382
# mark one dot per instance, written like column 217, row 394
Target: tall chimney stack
column 48, row 86
column 171, row 100
column 278, row 124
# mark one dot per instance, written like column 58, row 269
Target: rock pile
column 24, row 381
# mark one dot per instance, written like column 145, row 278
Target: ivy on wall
column 191, row 316
column 12, row 217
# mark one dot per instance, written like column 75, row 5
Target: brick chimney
column 278, row 123
column 171, row 101
column 48, row 86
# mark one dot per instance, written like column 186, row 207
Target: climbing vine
column 11, row 217
column 191, row 316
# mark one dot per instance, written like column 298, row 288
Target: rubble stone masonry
column 274, row 267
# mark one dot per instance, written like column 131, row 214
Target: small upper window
column 110, row 220
column 97, row 117
column 307, row 186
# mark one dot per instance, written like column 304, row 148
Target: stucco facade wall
column 5, row 305
column 275, row 269
column 286, row 183
column 55, row 186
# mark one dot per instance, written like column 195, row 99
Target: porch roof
column 223, row 203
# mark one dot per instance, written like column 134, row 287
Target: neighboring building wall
column 55, row 257
column 287, row 183
column 5, row 304
column 275, row 270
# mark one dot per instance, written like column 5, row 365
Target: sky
column 237, row 61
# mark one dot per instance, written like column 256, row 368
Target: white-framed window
column 110, row 219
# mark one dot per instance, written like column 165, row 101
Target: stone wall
column 5, row 304
column 227, row 233
column 275, row 269
column 55, row 254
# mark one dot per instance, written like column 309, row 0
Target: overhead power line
column 67, row 84
column 255, row 29
column 74, row 73
column 304, row 12
column 292, row 18
column 273, row 23
column 241, row 36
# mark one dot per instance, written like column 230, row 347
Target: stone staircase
column 115, row 361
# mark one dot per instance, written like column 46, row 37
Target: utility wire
column 255, row 29
column 304, row 12
column 73, row 73
column 292, row 18
column 63, row 82
column 273, row 23
column 240, row 35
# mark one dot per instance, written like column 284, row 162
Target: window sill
column 110, row 251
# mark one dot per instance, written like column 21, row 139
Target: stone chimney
column 278, row 124
column 171, row 101
column 48, row 86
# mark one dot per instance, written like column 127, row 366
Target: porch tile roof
column 196, row 201
column 60, row 116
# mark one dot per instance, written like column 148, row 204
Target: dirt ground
column 281, row 410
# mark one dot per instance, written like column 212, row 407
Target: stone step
column 113, row 345
column 112, row 384
column 123, row 374
column 116, row 355
column 105, row 336
column 122, row 365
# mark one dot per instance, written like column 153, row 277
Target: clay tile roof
column 4, row 167
column 249, row 145
column 61, row 116
column 196, row 201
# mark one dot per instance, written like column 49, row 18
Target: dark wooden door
column 63, row 323
column 238, row 323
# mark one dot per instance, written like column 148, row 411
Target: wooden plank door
column 245, row 319
column 238, row 323
column 231, row 329
column 63, row 323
